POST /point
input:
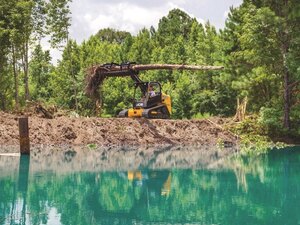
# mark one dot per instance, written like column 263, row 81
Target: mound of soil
column 115, row 131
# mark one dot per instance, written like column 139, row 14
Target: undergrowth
column 254, row 139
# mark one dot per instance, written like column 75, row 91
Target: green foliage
column 40, row 68
column 176, row 24
column 269, row 117
column 112, row 35
column 254, row 133
column 255, row 144
column 261, row 39
column 65, row 78
column 117, row 94
column 58, row 21
column 201, row 116
column 92, row 146
column 23, row 23
column 140, row 50
column 182, row 97
column 249, row 126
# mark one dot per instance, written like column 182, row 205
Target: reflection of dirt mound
column 115, row 131
column 72, row 159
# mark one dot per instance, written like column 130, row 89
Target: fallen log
column 174, row 67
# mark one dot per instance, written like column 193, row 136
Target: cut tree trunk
column 174, row 67
column 241, row 110
column 98, row 108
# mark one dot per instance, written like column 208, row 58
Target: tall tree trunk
column 284, row 49
column 72, row 73
column 25, row 69
column 16, row 79
column 3, row 102
column 75, row 89
column 286, row 120
column 2, row 94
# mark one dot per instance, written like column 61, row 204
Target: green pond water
column 238, row 190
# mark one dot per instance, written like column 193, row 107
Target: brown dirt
column 115, row 131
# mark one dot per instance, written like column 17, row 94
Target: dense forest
column 259, row 47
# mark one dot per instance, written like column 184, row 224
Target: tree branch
column 294, row 84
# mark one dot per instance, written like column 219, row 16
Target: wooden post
column 24, row 136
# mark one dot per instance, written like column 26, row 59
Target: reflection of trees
column 115, row 194
column 243, row 166
column 13, row 198
column 203, row 196
column 7, row 187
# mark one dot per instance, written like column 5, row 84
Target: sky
column 89, row 16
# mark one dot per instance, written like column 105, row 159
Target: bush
column 271, row 120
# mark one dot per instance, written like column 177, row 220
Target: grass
column 92, row 146
column 201, row 116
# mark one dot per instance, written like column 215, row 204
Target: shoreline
column 105, row 132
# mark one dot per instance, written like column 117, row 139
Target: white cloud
column 123, row 16
column 89, row 16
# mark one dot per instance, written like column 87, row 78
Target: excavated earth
column 105, row 132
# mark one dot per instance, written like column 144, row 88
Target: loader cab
column 147, row 94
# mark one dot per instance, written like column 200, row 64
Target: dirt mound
column 115, row 131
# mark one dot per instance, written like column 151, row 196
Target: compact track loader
column 149, row 101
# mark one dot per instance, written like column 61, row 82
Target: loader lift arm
column 122, row 70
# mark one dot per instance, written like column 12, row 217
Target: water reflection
column 239, row 190
column 111, row 159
